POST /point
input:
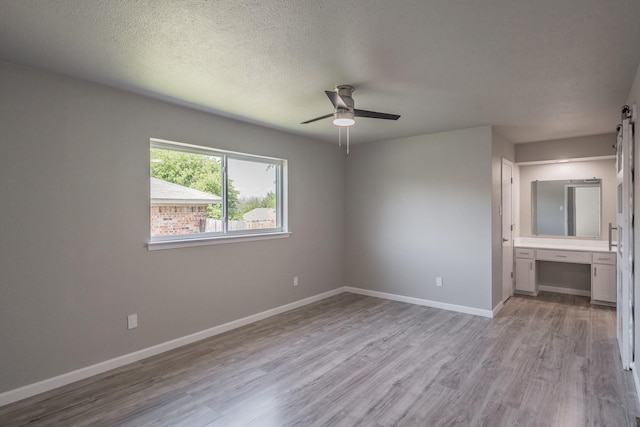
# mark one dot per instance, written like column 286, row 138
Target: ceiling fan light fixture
column 343, row 118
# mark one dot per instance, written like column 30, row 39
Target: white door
column 624, row 269
column 507, row 229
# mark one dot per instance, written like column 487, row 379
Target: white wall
column 74, row 185
column 419, row 208
column 603, row 169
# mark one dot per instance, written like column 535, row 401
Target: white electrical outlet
column 132, row 321
column 295, row 281
column 438, row 281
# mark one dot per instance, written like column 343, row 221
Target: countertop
column 563, row 244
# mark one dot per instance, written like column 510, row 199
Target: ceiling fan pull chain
column 347, row 140
column 339, row 136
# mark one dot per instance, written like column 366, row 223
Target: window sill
column 174, row 244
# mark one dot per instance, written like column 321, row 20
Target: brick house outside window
column 176, row 209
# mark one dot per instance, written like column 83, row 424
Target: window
column 203, row 194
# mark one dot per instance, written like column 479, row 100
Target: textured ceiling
column 536, row 69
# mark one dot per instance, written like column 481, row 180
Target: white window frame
column 225, row 236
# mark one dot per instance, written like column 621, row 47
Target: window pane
column 620, row 198
column 201, row 193
column 185, row 193
column 252, row 195
column 619, row 153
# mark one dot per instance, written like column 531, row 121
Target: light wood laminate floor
column 356, row 360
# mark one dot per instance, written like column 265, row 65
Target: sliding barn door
column 624, row 166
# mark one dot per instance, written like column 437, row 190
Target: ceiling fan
column 344, row 111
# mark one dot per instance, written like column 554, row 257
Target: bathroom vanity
column 529, row 252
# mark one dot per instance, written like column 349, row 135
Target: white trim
column 49, row 384
column 636, row 380
column 166, row 144
column 67, row 378
column 567, row 291
column 510, row 226
column 173, row 244
column 211, row 238
column 420, row 301
column 183, row 202
column 573, row 160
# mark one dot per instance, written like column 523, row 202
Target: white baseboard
column 568, row 291
column 61, row 380
column 420, row 301
column 49, row 384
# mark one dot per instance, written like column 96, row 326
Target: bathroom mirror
column 568, row 207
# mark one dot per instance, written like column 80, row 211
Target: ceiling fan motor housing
column 345, row 92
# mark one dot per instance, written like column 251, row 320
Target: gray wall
column 603, row 169
column 74, row 185
column 419, row 208
column 569, row 148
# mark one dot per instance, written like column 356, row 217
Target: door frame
column 507, row 228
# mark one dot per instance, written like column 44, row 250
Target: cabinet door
column 603, row 282
column 525, row 277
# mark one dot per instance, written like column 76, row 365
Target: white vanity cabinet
column 603, row 278
column 526, row 271
column 603, row 289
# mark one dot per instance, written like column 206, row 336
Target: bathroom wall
column 569, row 148
column 603, row 169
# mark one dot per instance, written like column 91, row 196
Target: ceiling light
column 563, row 161
column 343, row 118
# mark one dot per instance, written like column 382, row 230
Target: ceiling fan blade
column 375, row 115
column 336, row 100
column 317, row 118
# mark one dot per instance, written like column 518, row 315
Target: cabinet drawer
column 564, row 256
column 603, row 258
column 524, row 253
